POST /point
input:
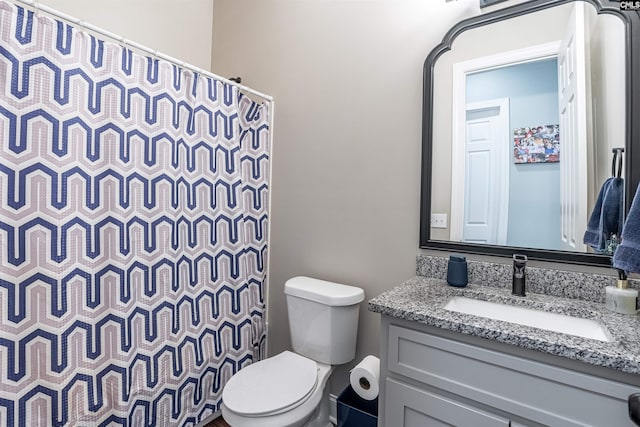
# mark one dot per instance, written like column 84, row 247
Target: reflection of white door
column 572, row 74
column 485, row 185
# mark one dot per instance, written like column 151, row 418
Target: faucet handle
column 520, row 259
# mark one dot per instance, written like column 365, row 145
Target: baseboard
column 333, row 409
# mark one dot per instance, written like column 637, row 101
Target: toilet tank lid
column 324, row 292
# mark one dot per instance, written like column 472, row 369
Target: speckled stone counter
column 422, row 299
column 559, row 283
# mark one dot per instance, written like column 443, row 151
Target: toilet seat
column 271, row 386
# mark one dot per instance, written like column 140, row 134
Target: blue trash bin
column 354, row 411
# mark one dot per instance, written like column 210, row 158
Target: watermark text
column 630, row 5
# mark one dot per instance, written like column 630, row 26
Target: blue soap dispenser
column 457, row 274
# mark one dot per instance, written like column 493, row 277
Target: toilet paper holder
column 364, row 383
column 365, row 378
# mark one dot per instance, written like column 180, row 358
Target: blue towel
column 627, row 255
column 606, row 218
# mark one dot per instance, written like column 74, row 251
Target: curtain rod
column 36, row 6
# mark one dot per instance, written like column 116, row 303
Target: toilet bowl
column 282, row 391
column 289, row 389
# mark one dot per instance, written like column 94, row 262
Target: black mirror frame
column 631, row 20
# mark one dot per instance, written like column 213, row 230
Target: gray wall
column 347, row 80
column 178, row 28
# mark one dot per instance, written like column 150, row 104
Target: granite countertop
column 422, row 299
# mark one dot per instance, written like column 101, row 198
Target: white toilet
column 289, row 389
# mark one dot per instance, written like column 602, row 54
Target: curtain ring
column 36, row 8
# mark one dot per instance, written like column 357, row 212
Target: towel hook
column 616, row 164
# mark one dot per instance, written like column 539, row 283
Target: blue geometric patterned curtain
column 133, row 230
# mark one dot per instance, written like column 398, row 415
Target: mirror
column 530, row 187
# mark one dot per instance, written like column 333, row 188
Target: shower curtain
column 133, row 231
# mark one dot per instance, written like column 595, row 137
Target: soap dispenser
column 620, row 298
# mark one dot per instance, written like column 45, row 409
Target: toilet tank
column 323, row 319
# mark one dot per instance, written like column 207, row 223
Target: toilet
column 288, row 389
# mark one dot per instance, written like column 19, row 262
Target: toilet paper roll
column 365, row 378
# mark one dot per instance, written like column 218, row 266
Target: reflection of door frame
column 459, row 111
column 575, row 106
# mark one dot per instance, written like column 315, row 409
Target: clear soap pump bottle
column 620, row 298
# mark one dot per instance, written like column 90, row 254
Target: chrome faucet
column 519, row 276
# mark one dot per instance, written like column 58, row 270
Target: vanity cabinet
column 407, row 409
column 431, row 377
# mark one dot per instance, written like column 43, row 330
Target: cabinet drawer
column 408, row 406
column 529, row 389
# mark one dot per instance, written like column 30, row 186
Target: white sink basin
column 577, row 326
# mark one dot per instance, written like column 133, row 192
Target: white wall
column 178, row 28
column 347, row 80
